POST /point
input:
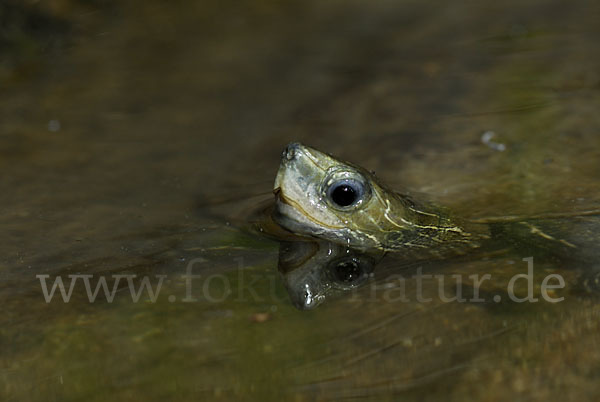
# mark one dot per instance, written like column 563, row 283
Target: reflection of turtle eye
column 345, row 193
column 348, row 272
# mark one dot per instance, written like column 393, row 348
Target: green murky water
column 136, row 136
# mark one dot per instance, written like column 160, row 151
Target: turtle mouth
column 279, row 179
column 293, row 217
column 281, row 199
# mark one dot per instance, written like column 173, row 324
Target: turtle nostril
column 291, row 151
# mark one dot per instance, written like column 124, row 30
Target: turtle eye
column 345, row 193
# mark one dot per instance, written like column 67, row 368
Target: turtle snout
column 291, row 152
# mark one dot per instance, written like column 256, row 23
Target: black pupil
column 343, row 195
column 348, row 271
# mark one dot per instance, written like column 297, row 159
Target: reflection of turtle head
column 313, row 271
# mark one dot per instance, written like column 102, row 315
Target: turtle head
column 319, row 195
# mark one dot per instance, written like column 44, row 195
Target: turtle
column 342, row 209
column 318, row 195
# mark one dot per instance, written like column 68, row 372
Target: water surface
column 137, row 136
